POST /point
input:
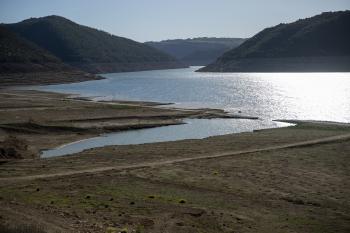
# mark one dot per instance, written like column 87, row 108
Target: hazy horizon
column 155, row 20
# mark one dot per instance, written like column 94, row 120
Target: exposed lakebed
column 192, row 129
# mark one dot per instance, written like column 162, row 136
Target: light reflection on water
column 304, row 96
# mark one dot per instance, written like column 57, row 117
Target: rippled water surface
column 316, row 96
column 269, row 96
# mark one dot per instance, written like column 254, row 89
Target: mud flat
column 45, row 78
column 43, row 120
column 292, row 179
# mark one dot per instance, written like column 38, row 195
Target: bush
column 111, row 230
column 182, row 201
column 14, row 148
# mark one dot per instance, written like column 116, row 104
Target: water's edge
column 193, row 129
column 299, row 96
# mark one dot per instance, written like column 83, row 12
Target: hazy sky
column 144, row 20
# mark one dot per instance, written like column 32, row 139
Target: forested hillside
column 197, row 51
column 90, row 49
column 19, row 55
column 319, row 43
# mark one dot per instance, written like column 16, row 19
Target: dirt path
column 179, row 160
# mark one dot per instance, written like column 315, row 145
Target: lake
column 303, row 96
column 269, row 96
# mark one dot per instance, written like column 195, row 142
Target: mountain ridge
column 196, row 51
column 318, row 43
column 19, row 55
column 88, row 48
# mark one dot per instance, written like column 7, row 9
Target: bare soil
column 45, row 78
column 45, row 120
column 293, row 179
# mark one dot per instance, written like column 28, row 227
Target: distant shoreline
column 49, row 119
column 326, row 64
column 56, row 77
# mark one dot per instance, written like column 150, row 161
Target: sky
column 153, row 20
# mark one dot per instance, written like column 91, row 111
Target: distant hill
column 319, row 43
column 197, row 51
column 90, row 49
column 19, row 55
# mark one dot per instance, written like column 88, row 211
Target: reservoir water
column 304, row 96
column 269, row 96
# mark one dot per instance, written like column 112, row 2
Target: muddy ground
column 45, row 120
column 45, row 78
column 293, row 179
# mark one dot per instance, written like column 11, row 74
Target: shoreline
column 143, row 135
column 272, row 175
column 247, row 182
column 75, row 134
column 333, row 123
column 45, row 120
column 45, row 78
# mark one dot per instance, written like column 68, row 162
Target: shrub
column 111, row 230
column 124, row 230
column 182, row 201
column 13, row 148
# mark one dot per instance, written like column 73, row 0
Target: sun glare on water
column 312, row 94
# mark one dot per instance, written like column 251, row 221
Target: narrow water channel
column 193, row 129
